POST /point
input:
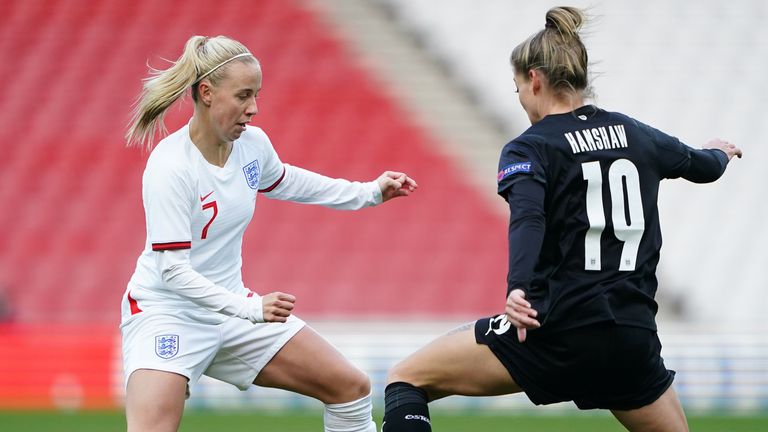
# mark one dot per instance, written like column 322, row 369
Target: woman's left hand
column 521, row 314
column 395, row 184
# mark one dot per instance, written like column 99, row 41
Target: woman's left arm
column 527, row 227
column 307, row 187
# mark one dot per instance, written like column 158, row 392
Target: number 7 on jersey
column 215, row 208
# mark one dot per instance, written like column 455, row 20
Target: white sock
column 355, row 416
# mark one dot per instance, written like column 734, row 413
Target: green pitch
column 311, row 421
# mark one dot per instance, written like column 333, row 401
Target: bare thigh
column 663, row 415
column 454, row 364
column 311, row 366
column 154, row 401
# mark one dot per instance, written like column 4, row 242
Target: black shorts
column 601, row 365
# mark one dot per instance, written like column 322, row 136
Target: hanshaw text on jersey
column 599, row 138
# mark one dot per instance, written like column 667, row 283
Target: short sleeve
column 168, row 197
column 519, row 160
column 272, row 170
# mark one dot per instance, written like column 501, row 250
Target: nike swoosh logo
column 202, row 198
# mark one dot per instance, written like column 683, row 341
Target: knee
column 356, row 385
column 360, row 386
column 417, row 375
column 403, row 372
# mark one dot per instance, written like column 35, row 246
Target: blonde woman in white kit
column 185, row 311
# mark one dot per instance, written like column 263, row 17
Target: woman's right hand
column 395, row 184
column 729, row 149
column 277, row 306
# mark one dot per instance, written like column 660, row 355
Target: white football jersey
column 191, row 204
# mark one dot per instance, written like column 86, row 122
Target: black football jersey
column 584, row 231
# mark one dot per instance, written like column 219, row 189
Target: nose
column 252, row 108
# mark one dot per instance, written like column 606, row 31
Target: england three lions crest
column 252, row 173
column 166, row 346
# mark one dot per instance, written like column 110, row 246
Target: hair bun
column 566, row 20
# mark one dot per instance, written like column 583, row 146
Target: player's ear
column 205, row 92
column 534, row 76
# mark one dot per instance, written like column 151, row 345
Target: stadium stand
column 76, row 225
column 73, row 222
column 693, row 72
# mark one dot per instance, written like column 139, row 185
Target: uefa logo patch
column 166, row 346
column 252, row 173
column 519, row 167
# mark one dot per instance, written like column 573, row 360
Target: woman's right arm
column 703, row 165
column 709, row 163
column 178, row 275
column 168, row 192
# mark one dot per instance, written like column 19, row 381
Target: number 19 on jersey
column 626, row 212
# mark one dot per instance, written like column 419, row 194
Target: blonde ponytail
column 203, row 57
column 566, row 20
column 557, row 51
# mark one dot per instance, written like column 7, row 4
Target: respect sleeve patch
column 515, row 168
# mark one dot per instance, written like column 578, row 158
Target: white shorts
column 234, row 351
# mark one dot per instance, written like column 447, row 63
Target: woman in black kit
column 584, row 239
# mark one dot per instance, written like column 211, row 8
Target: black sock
column 405, row 409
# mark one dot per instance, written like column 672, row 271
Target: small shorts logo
column 166, row 346
column 499, row 324
column 252, row 173
column 517, row 167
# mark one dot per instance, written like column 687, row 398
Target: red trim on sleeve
column 250, row 294
column 171, row 246
column 274, row 185
column 134, row 304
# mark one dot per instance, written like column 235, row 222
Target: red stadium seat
column 72, row 216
